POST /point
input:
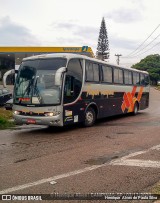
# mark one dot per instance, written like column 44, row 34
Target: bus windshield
column 35, row 84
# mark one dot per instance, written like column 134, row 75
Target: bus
column 62, row 88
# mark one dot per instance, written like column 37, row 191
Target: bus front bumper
column 46, row 120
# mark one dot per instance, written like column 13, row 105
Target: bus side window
column 120, row 76
column 138, row 79
column 146, row 79
column 107, row 74
column 134, row 78
column 142, row 81
column 92, row 72
column 128, row 77
column 96, row 72
column 89, row 71
column 116, row 76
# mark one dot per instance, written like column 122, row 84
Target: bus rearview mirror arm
column 6, row 75
column 58, row 75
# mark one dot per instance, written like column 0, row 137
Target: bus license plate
column 31, row 121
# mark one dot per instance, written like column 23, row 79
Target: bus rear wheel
column 135, row 111
column 90, row 117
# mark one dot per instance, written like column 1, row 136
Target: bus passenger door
column 72, row 108
column 73, row 84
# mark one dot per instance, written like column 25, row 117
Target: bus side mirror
column 6, row 75
column 58, row 75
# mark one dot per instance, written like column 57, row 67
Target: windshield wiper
column 28, row 89
column 37, row 90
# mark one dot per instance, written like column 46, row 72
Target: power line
column 143, row 41
column 146, row 45
column 147, row 50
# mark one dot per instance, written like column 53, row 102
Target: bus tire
column 90, row 117
column 136, row 107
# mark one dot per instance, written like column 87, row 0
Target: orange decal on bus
column 129, row 99
column 140, row 94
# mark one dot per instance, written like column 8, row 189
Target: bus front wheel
column 90, row 117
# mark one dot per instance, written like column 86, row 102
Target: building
column 11, row 57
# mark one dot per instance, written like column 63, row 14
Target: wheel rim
column 135, row 109
column 89, row 117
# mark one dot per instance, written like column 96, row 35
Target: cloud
column 63, row 41
column 73, row 32
column 122, row 43
column 87, row 32
column 64, row 25
column 13, row 34
column 88, row 35
column 124, row 15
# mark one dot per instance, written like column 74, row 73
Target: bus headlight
column 49, row 114
column 16, row 112
column 55, row 113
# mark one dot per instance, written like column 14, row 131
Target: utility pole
column 118, row 56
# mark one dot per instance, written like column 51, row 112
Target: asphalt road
column 117, row 155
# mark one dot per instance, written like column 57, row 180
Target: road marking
column 125, row 161
column 122, row 161
column 137, row 162
column 157, row 147
column 54, row 178
column 53, row 182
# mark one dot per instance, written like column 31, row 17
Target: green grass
column 4, row 123
column 158, row 87
column 156, row 189
column 5, row 113
column 5, row 117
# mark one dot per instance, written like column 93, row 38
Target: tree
column 103, row 44
column 151, row 64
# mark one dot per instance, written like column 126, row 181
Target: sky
column 77, row 23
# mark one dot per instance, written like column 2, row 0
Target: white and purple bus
column 62, row 89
